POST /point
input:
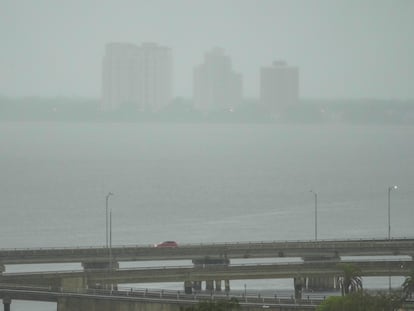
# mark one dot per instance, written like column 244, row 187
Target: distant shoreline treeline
column 354, row 111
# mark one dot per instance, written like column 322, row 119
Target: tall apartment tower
column 216, row 87
column 279, row 86
column 136, row 77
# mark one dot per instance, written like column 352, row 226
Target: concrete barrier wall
column 91, row 304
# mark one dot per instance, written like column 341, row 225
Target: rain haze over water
column 206, row 179
column 346, row 48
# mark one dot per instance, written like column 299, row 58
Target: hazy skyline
column 343, row 48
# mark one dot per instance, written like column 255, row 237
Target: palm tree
column 408, row 285
column 350, row 280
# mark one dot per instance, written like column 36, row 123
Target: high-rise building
column 216, row 87
column 136, row 77
column 279, row 86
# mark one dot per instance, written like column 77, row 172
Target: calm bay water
column 197, row 183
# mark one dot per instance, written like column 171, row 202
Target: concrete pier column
column 209, row 285
column 73, row 282
column 321, row 283
column 6, row 303
column 298, row 283
column 218, row 285
column 227, row 285
column 197, row 285
column 188, row 287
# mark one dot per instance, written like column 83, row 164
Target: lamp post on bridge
column 106, row 214
column 316, row 214
column 390, row 188
column 389, row 209
column 109, row 233
column 110, row 239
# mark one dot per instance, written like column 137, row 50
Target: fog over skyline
column 343, row 48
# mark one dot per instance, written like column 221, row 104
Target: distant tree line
column 361, row 111
column 48, row 109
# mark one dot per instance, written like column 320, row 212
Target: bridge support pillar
column 6, row 303
column 73, row 282
column 101, row 265
column 218, row 285
column 210, row 285
column 227, row 285
column 321, row 283
column 318, row 282
column 197, row 285
column 207, row 262
column 188, row 287
column 298, row 283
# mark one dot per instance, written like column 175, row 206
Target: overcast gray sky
column 344, row 48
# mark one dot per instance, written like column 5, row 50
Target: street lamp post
column 316, row 214
column 389, row 209
column 106, row 214
column 389, row 225
column 110, row 239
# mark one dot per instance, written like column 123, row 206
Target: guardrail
column 320, row 241
column 247, row 297
column 212, row 267
column 93, row 257
column 137, row 269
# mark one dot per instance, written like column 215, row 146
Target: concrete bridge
column 211, row 262
column 110, row 300
column 317, row 267
column 193, row 275
column 304, row 249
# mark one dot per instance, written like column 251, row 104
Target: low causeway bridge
column 312, row 264
column 93, row 257
column 303, row 249
column 141, row 300
column 90, row 278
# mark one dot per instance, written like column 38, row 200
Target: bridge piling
column 197, row 286
column 210, row 285
column 227, row 285
column 218, row 285
column 6, row 303
column 320, row 282
column 188, row 287
column 298, row 282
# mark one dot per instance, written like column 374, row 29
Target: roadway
column 249, row 300
column 303, row 249
column 209, row 272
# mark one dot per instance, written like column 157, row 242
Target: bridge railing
column 235, row 243
column 247, row 266
column 162, row 294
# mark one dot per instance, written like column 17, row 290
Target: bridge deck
column 211, row 272
column 163, row 296
column 304, row 249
